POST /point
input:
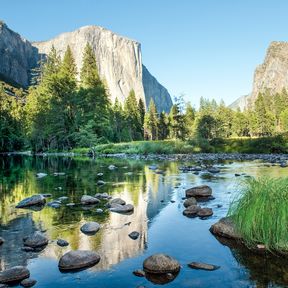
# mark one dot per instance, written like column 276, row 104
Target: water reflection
column 160, row 223
column 131, row 181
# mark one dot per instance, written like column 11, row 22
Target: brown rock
column 161, row 264
column 189, row 202
column 225, row 228
column 139, row 273
column 203, row 266
column 199, row 191
column 191, row 211
column 205, row 212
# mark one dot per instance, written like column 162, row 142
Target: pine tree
column 89, row 75
column 142, row 111
column 163, row 130
column 151, row 122
column 177, row 123
column 265, row 121
column 133, row 117
column 93, row 101
column 189, row 118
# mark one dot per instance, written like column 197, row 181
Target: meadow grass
column 260, row 213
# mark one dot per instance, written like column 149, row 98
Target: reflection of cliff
column 157, row 190
column 143, row 188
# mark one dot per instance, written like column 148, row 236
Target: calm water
column 162, row 226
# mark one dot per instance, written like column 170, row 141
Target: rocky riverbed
column 135, row 222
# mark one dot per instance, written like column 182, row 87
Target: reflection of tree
column 265, row 270
column 18, row 181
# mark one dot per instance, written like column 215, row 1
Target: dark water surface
column 162, row 226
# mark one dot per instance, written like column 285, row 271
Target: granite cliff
column 271, row 75
column 119, row 61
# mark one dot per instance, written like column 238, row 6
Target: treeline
column 64, row 111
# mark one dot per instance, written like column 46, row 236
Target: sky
column 206, row 48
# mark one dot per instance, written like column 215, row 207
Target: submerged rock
column 139, row 273
column 160, row 264
column 88, row 200
column 203, row 266
column 122, row 208
column 78, row 259
column 117, row 201
column 134, row 235
column 28, row 282
column 62, row 243
column 205, row 212
column 191, row 211
column 90, row 228
column 112, row 167
column 199, row 191
column 35, row 200
column 54, row 204
column 225, row 228
column 213, row 170
column 189, row 202
column 1, row 241
column 14, row 274
column 102, row 196
column 37, row 239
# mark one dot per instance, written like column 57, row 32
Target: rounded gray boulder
column 14, row 274
column 78, row 259
column 90, row 228
column 37, row 239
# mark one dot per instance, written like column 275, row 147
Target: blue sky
column 204, row 48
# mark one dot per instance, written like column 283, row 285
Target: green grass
column 260, row 213
column 147, row 147
column 275, row 144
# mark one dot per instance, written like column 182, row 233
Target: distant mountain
column 119, row 61
column 271, row 75
column 241, row 103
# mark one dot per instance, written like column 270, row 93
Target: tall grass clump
column 260, row 213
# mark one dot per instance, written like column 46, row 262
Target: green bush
column 260, row 213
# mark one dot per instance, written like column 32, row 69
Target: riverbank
column 264, row 145
column 270, row 159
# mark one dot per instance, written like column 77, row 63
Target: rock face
column 241, row 103
column 152, row 87
column 273, row 73
column 17, row 56
column 78, row 259
column 119, row 62
column 14, row 274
